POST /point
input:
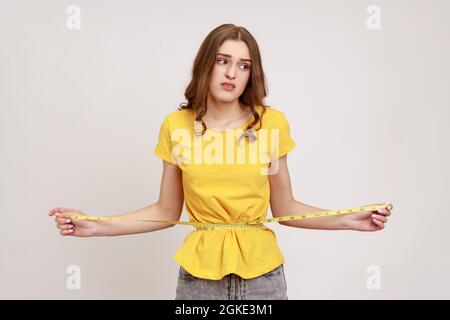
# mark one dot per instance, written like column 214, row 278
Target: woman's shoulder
column 274, row 111
column 180, row 117
column 273, row 116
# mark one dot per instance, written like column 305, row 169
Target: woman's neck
column 223, row 112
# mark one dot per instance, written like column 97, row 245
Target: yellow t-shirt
column 223, row 183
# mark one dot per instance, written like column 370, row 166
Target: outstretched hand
column 369, row 220
column 68, row 227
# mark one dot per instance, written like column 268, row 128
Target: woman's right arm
column 168, row 207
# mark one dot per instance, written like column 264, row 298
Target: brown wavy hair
column 196, row 92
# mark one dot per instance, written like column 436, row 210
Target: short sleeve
column 285, row 143
column 163, row 147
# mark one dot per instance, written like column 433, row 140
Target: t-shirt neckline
column 243, row 126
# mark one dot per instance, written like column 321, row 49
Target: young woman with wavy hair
column 224, row 179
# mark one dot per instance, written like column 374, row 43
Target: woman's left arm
column 282, row 203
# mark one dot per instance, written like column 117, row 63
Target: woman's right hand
column 76, row 228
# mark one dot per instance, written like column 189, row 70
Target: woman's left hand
column 369, row 220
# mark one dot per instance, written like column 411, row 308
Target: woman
column 225, row 155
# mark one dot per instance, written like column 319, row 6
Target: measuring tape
column 254, row 224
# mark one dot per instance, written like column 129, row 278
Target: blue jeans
column 269, row 286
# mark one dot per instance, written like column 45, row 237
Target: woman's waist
column 228, row 226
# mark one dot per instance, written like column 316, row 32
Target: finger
column 59, row 210
column 379, row 218
column 65, row 232
column 65, row 214
column 378, row 223
column 385, row 212
column 55, row 210
column 62, row 220
column 64, row 226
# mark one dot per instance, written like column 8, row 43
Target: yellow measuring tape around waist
column 243, row 225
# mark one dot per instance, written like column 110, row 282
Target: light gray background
column 80, row 113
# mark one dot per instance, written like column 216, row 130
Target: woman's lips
column 227, row 87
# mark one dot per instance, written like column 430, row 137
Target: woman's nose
column 230, row 73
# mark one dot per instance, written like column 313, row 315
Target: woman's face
column 232, row 65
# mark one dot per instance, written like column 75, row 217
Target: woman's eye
column 242, row 65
